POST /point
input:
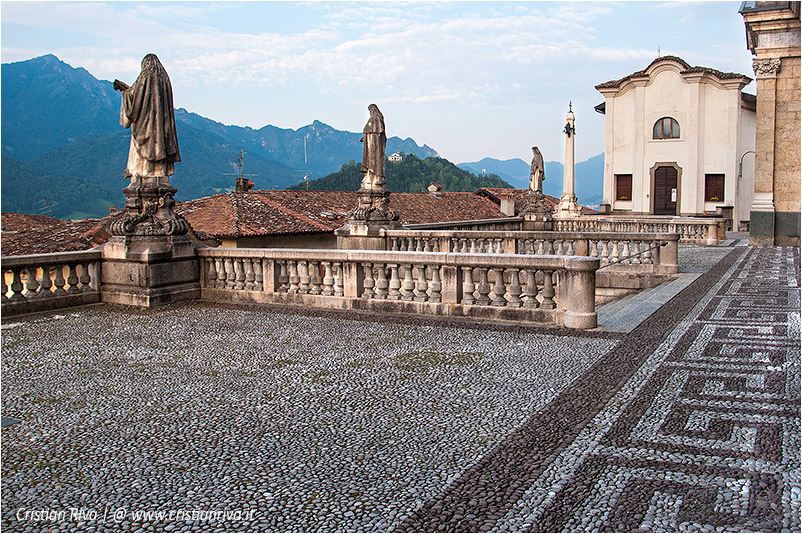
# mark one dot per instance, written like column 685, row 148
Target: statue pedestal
column 149, row 260
column 363, row 231
column 536, row 213
column 149, row 271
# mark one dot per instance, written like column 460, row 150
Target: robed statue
column 537, row 174
column 147, row 108
column 374, row 141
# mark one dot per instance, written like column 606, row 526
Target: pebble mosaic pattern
column 320, row 422
column 307, row 421
column 702, row 435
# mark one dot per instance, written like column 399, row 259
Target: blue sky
column 470, row 79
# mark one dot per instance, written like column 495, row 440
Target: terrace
column 256, row 416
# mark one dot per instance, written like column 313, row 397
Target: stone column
column 568, row 206
column 773, row 37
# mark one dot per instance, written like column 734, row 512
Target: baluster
column 419, row 241
column 3, row 297
column 31, row 284
column 464, row 246
column 625, row 252
column 249, row 275
column 559, row 247
column 240, row 274
column 211, row 273
column 72, row 279
column 593, row 245
column 328, row 279
column 483, row 288
column 394, row 241
column 427, row 245
column 84, row 279
column 258, row 276
column 395, row 283
column 316, row 281
column 647, row 256
column 368, row 283
column 283, row 277
column 17, row 287
column 338, row 279
column 421, row 285
column 221, row 273
column 45, row 285
column 467, row 286
column 614, row 255
column 403, row 244
column 473, row 246
column 303, row 277
column 499, row 289
column 569, row 247
column 436, row 286
column 548, row 292
column 531, row 290
column 408, row 286
column 381, row 284
column 499, row 246
column 294, row 278
column 541, row 247
column 454, row 244
column 58, row 282
column 636, row 248
column 515, row 289
column 605, row 253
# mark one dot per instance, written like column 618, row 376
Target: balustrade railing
column 656, row 251
column 537, row 289
column 690, row 230
column 42, row 282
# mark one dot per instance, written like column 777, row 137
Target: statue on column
column 373, row 195
column 147, row 109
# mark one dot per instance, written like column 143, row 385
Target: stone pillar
column 773, row 37
column 568, row 206
column 580, row 293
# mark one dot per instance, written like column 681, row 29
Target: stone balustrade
column 690, row 230
column 657, row 251
column 557, row 290
column 44, row 282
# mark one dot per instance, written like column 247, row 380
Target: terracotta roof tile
column 38, row 234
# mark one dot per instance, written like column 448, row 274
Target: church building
column 675, row 141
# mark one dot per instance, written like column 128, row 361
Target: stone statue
column 538, row 173
column 147, row 108
column 375, row 140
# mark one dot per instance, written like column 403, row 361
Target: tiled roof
column 39, row 234
column 268, row 212
column 686, row 69
column 494, row 194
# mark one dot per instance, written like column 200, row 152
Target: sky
column 469, row 79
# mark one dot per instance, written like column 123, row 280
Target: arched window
column 666, row 128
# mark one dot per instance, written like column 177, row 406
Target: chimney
column 508, row 204
column 435, row 189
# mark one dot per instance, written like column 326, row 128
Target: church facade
column 675, row 141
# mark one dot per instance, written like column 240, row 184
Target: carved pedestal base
column 536, row 212
column 568, row 207
column 367, row 220
column 149, row 260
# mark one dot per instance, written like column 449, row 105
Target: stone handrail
column 626, row 250
column 41, row 282
column 690, row 230
column 556, row 290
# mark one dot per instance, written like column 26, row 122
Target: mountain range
column 64, row 151
column 588, row 176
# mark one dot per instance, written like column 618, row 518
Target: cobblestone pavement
column 314, row 421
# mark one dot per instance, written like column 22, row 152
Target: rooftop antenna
column 45, row 206
column 306, row 165
column 242, row 178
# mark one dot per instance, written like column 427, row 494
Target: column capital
column 766, row 67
